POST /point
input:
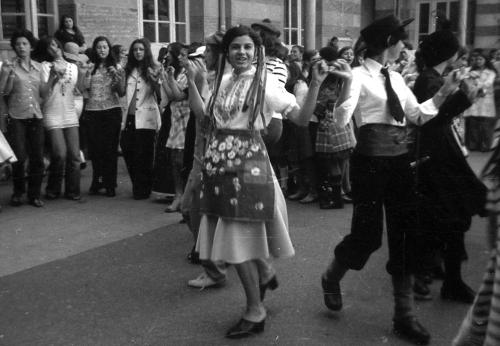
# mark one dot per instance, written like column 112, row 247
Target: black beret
column 328, row 53
column 378, row 31
column 438, row 47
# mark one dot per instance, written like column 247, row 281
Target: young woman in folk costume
column 244, row 217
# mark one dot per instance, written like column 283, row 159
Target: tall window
column 163, row 21
column 294, row 18
column 39, row 16
column 427, row 12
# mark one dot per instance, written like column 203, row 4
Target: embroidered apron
column 237, row 181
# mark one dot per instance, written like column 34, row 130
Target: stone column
column 222, row 15
column 310, row 24
column 462, row 22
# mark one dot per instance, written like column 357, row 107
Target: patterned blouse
column 180, row 116
column 102, row 95
column 228, row 112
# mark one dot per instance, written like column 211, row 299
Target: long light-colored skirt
column 237, row 241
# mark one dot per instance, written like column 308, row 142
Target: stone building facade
column 164, row 21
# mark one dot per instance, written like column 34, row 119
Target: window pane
column 423, row 26
column 11, row 24
column 149, row 31
column 454, row 15
column 14, row 6
column 180, row 11
column 46, row 25
column 164, row 31
column 180, row 33
column 148, row 9
column 163, row 13
column 286, row 32
column 294, row 14
column 287, row 13
column 43, row 26
column 43, row 6
column 441, row 9
column 294, row 38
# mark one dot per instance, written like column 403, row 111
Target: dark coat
column 450, row 193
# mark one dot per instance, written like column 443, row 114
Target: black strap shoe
column 271, row 284
column 331, row 294
column 410, row 329
column 245, row 328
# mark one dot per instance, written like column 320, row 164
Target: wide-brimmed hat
column 382, row 28
column 215, row 38
column 200, row 51
column 438, row 47
column 72, row 52
column 266, row 25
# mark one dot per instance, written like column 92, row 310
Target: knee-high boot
column 405, row 323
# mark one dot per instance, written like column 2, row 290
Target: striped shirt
column 278, row 68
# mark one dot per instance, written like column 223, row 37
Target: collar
column 32, row 65
column 373, row 67
column 249, row 72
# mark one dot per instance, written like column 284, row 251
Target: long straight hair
column 142, row 65
column 108, row 61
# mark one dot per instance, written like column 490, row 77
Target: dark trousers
column 104, row 134
column 378, row 183
column 138, row 153
column 27, row 136
column 479, row 133
column 64, row 161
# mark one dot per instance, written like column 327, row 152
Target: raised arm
column 301, row 116
column 197, row 83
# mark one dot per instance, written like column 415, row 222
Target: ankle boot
column 330, row 282
column 330, row 194
column 404, row 322
column 284, row 179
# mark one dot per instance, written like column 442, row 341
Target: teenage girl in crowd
column 69, row 32
column 481, row 117
column 175, row 90
column 61, row 120
column 22, row 81
column 334, row 141
column 201, row 80
column 104, row 83
column 142, row 118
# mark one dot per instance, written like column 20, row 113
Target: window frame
column 288, row 30
column 172, row 21
column 31, row 16
column 432, row 15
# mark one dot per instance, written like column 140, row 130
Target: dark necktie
column 392, row 99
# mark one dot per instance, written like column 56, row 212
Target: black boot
column 454, row 288
column 330, row 194
column 330, row 282
column 405, row 323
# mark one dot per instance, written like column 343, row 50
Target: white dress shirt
column 367, row 99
